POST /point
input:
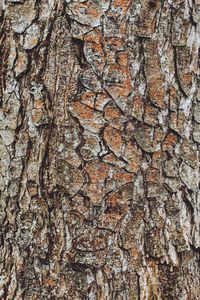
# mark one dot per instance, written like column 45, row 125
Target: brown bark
column 99, row 149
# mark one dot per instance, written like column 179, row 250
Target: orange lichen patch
column 34, row 41
column 122, row 58
column 152, row 50
column 37, row 115
column 50, row 281
column 88, row 98
column 157, row 92
column 91, row 10
column 153, row 175
column 133, row 156
column 94, row 51
column 32, row 189
column 127, row 83
column 113, row 201
column 95, row 47
column 151, row 115
column 97, row 171
column 94, row 36
column 88, row 118
column 187, row 79
column 118, row 91
column 106, row 270
column 113, row 138
column 173, row 95
column 133, row 167
column 122, row 4
column 123, row 177
column 42, row 204
column 134, row 252
column 95, row 192
column 21, row 63
column 157, row 158
column 114, row 116
column 38, row 103
column 150, row 110
column 151, row 279
column 122, row 28
column 116, row 207
column 101, row 100
column 159, row 134
column 103, row 178
column 83, row 111
column 115, row 69
column 169, row 142
column 30, row 42
column 87, row 12
column 112, row 113
column 112, row 159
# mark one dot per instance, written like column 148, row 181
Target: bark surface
column 99, row 149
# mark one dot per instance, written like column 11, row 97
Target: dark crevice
column 78, row 50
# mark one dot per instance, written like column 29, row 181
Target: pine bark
column 99, row 150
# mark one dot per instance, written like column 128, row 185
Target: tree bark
column 99, row 149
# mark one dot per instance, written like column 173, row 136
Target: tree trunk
column 100, row 133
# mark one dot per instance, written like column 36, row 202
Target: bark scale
column 99, row 149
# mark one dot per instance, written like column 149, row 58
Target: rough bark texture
column 99, row 149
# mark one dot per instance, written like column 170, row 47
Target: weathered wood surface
column 99, row 149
